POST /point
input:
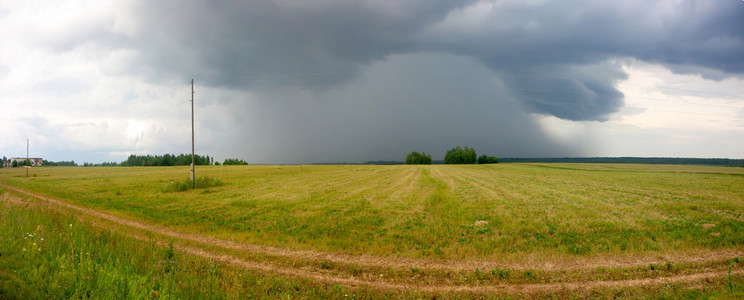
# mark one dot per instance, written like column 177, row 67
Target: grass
column 502, row 214
column 50, row 254
column 554, row 210
column 47, row 254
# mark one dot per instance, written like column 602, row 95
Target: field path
column 327, row 276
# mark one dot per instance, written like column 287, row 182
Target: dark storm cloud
column 305, row 66
column 553, row 55
column 431, row 103
column 579, row 93
column 250, row 43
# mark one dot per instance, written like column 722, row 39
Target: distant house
column 35, row 162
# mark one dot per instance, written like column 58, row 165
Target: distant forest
column 153, row 160
column 166, row 160
column 606, row 160
column 185, row 160
column 142, row 161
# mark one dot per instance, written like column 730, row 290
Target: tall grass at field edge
column 49, row 255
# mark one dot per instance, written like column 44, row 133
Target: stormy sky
column 353, row 81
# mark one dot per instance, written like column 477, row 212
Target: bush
column 415, row 158
column 201, row 183
column 459, row 155
column 485, row 159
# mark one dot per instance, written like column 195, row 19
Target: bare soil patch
column 480, row 223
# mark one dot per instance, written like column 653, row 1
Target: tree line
column 166, row 160
column 59, row 163
column 457, row 155
column 136, row 161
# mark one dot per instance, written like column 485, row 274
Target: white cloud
column 679, row 102
column 665, row 115
column 64, row 94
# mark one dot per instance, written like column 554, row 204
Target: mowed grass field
column 496, row 213
column 368, row 232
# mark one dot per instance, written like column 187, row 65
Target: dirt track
column 401, row 263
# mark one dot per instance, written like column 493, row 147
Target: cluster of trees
column 415, row 158
column 457, row 155
column 59, row 163
column 460, row 155
column 166, row 160
column 232, row 162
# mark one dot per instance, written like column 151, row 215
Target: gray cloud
column 244, row 44
column 584, row 92
column 559, row 51
column 431, row 102
column 4, row 71
column 359, row 77
column 554, row 55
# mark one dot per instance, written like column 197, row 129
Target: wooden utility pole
column 193, row 177
column 27, row 158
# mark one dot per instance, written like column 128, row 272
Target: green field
column 429, row 211
column 541, row 222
